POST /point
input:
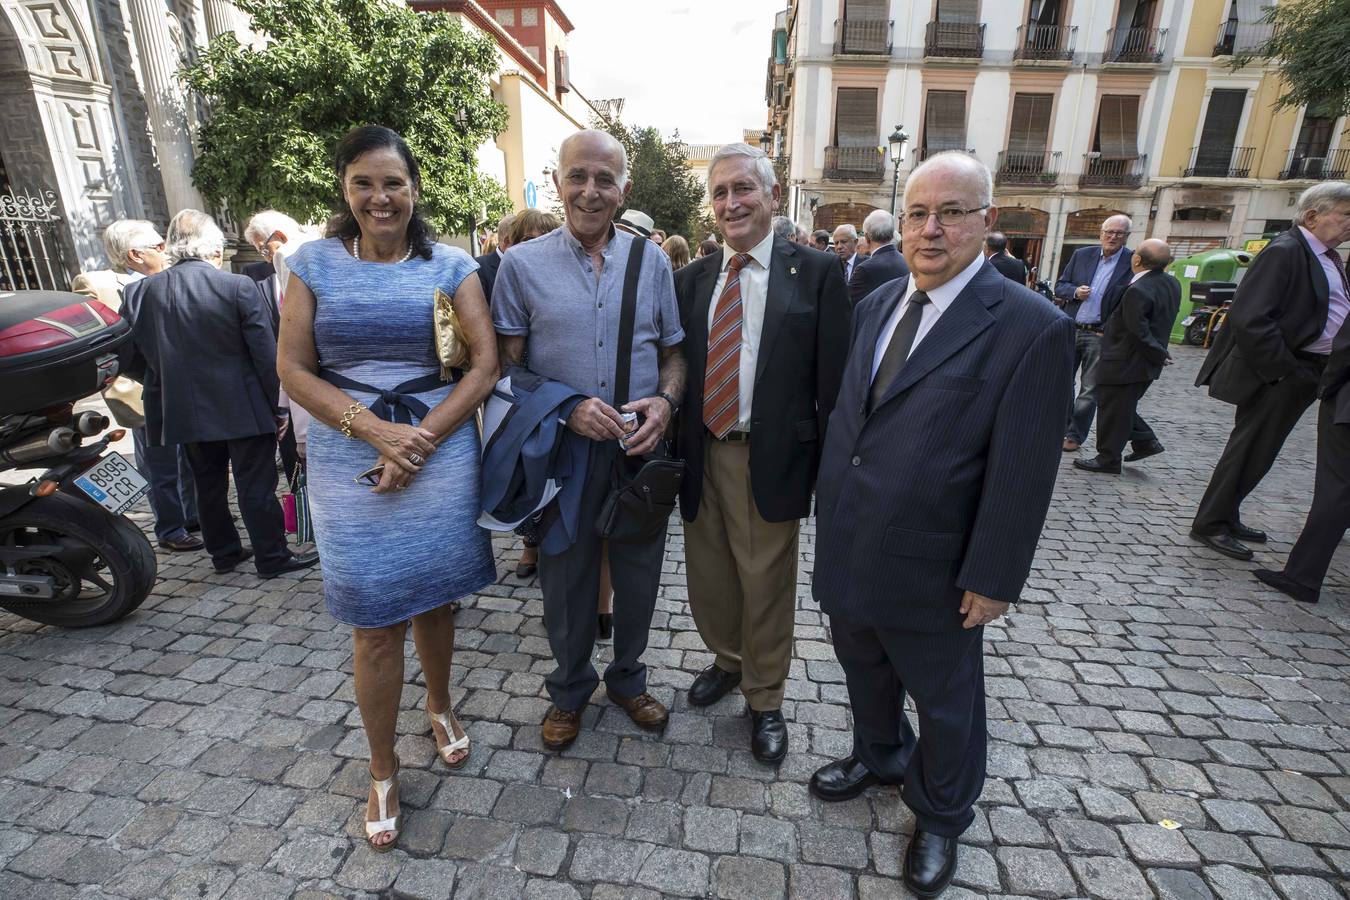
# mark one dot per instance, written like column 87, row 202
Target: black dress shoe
column 225, row 568
column 605, row 626
column 768, row 736
column 711, row 685
column 842, row 779
column 297, row 562
column 187, row 544
column 1096, row 465
column 1286, row 585
column 930, row 863
column 1224, row 543
column 1250, row 535
column 1144, row 452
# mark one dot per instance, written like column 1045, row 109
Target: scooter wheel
column 102, row 570
column 1195, row 333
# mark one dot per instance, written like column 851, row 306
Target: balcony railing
column 854, row 163
column 1220, row 162
column 1326, row 167
column 1135, row 45
column 1020, row 167
column 1114, row 171
column 937, row 147
column 954, row 40
column 1240, row 37
column 1045, row 42
column 871, row 37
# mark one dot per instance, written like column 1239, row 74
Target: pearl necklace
column 356, row 250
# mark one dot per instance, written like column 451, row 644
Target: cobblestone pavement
column 209, row 746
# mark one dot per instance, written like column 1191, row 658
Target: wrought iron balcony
column 1045, row 42
column 954, row 40
column 862, row 36
column 1240, row 37
column 1323, row 167
column 1135, row 45
column 854, row 163
column 1113, row 171
column 1220, row 162
column 1019, row 167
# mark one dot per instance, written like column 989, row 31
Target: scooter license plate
column 113, row 484
column 1187, row 321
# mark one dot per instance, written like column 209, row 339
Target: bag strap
column 626, row 316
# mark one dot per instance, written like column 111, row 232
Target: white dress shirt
column 1338, row 303
column 939, row 298
column 754, row 294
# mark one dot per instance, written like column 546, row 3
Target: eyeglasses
column 1115, row 233
column 948, row 217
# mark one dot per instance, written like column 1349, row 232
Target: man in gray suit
column 208, row 358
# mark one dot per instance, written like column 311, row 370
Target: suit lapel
column 959, row 325
column 704, row 282
column 781, row 292
column 1317, row 275
column 869, row 332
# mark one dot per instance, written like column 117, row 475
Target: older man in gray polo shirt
column 559, row 297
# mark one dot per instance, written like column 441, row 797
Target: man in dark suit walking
column 885, row 264
column 490, row 262
column 1088, row 291
column 1134, row 351
column 1009, row 266
column 937, row 472
column 1269, row 356
column 766, row 333
column 209, row 362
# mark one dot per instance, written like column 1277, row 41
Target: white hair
column 962, row 160
column 785, row 228
column 879, row 226
column 849, row 231
column 194, row 235
column 763, row 165
column 1128, row 221
column 125, row 235
column 622, row 174
column 266, row 223
column 1320, row 198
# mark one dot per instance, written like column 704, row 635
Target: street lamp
column 897, row 142
column 766, row 142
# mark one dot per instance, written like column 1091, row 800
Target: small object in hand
column 416, row 459
column 630, row 425
column 371, row 476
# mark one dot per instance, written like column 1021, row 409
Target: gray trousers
column 571, row 584
column 1087, row 346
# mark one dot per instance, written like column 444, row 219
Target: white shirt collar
column 943, row 295
column 133, row 275
column 1318, row 248
column 1137, row 275
column 761, row 253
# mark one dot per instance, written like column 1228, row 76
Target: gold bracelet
column 352, row 412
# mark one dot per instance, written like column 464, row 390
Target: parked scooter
column 68, row 554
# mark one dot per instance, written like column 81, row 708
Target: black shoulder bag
column 642, row 492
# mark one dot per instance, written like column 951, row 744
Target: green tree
column 1309, row 44
column 275, row 115
column 663, row 186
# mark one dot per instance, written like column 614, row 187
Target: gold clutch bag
column 451, row 347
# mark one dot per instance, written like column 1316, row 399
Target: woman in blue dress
column 357, row 351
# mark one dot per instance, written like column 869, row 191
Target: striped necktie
column 722, row 383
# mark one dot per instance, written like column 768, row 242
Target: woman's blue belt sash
column 397, row 405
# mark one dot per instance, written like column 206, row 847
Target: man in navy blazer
column 885, row 264
column 1088, row 290
column 936, row 475
column 490, row 262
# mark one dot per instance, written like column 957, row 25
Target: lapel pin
column 792, row 271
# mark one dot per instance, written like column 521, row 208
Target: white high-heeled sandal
column 456, row 744
column 386, row 822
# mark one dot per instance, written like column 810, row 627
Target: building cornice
column 479, row 17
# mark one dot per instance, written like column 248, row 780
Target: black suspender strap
column 623, row 362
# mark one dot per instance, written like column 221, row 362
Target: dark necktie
column 897, row 351
column 1340, row 267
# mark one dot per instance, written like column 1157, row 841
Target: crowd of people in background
column 897, row 371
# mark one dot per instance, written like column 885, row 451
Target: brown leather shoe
column 644, row 709
column 1070, row 445
column 560, row 728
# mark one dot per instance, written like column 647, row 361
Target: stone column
column 164, row 100
column 221, row 17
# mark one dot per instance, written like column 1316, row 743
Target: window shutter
column 1118, row 127
column 1044, row 13
column 865, row 10
column 1030, row 129
column 944, row 124
column 1219, row 134
column 855, row 117
column 958, row 11
column 1250, row 12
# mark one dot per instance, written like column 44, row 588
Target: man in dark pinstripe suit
column 936, row 475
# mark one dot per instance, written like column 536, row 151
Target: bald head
column 954, row 164
column 948, row 210
column 1153, row 255
column 592, row 180
column 592, row 142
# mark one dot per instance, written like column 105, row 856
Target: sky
column 693, row 65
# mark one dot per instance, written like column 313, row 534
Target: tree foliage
column 1310, row 44
column 275, row 115
column 663, row 186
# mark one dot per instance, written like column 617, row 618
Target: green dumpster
column 1207, row 267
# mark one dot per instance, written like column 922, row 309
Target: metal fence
column 31, row 256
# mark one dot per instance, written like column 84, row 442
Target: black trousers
column 253, row 460
column 1260, row 427
column 571, row 584
column 1329, row 516
column 1118, row 420
column 943, row 769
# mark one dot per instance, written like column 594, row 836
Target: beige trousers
column 742, row 575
